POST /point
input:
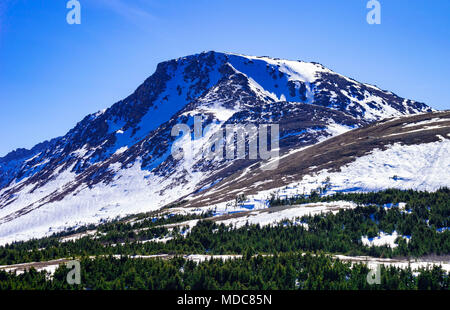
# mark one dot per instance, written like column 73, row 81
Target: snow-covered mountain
column 118, row 161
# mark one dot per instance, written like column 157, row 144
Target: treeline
column 107, row 236
column 291, row 271
column 423, row 222
column 432, row 206
column 332, row 233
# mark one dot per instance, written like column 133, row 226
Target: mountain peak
column 119, row 160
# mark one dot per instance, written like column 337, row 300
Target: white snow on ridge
column 291, row 213
column 260, row 91
column 422, row 167
column 335, row 129
column 426, row 122
column 26, row 197
column 133, row 190
column 371, row 113
column 296, row 70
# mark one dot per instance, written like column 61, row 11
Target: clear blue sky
column 53, row 74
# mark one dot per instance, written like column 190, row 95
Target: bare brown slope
column 331, row 154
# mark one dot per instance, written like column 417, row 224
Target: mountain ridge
column 160, row 67
column 306, row 169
